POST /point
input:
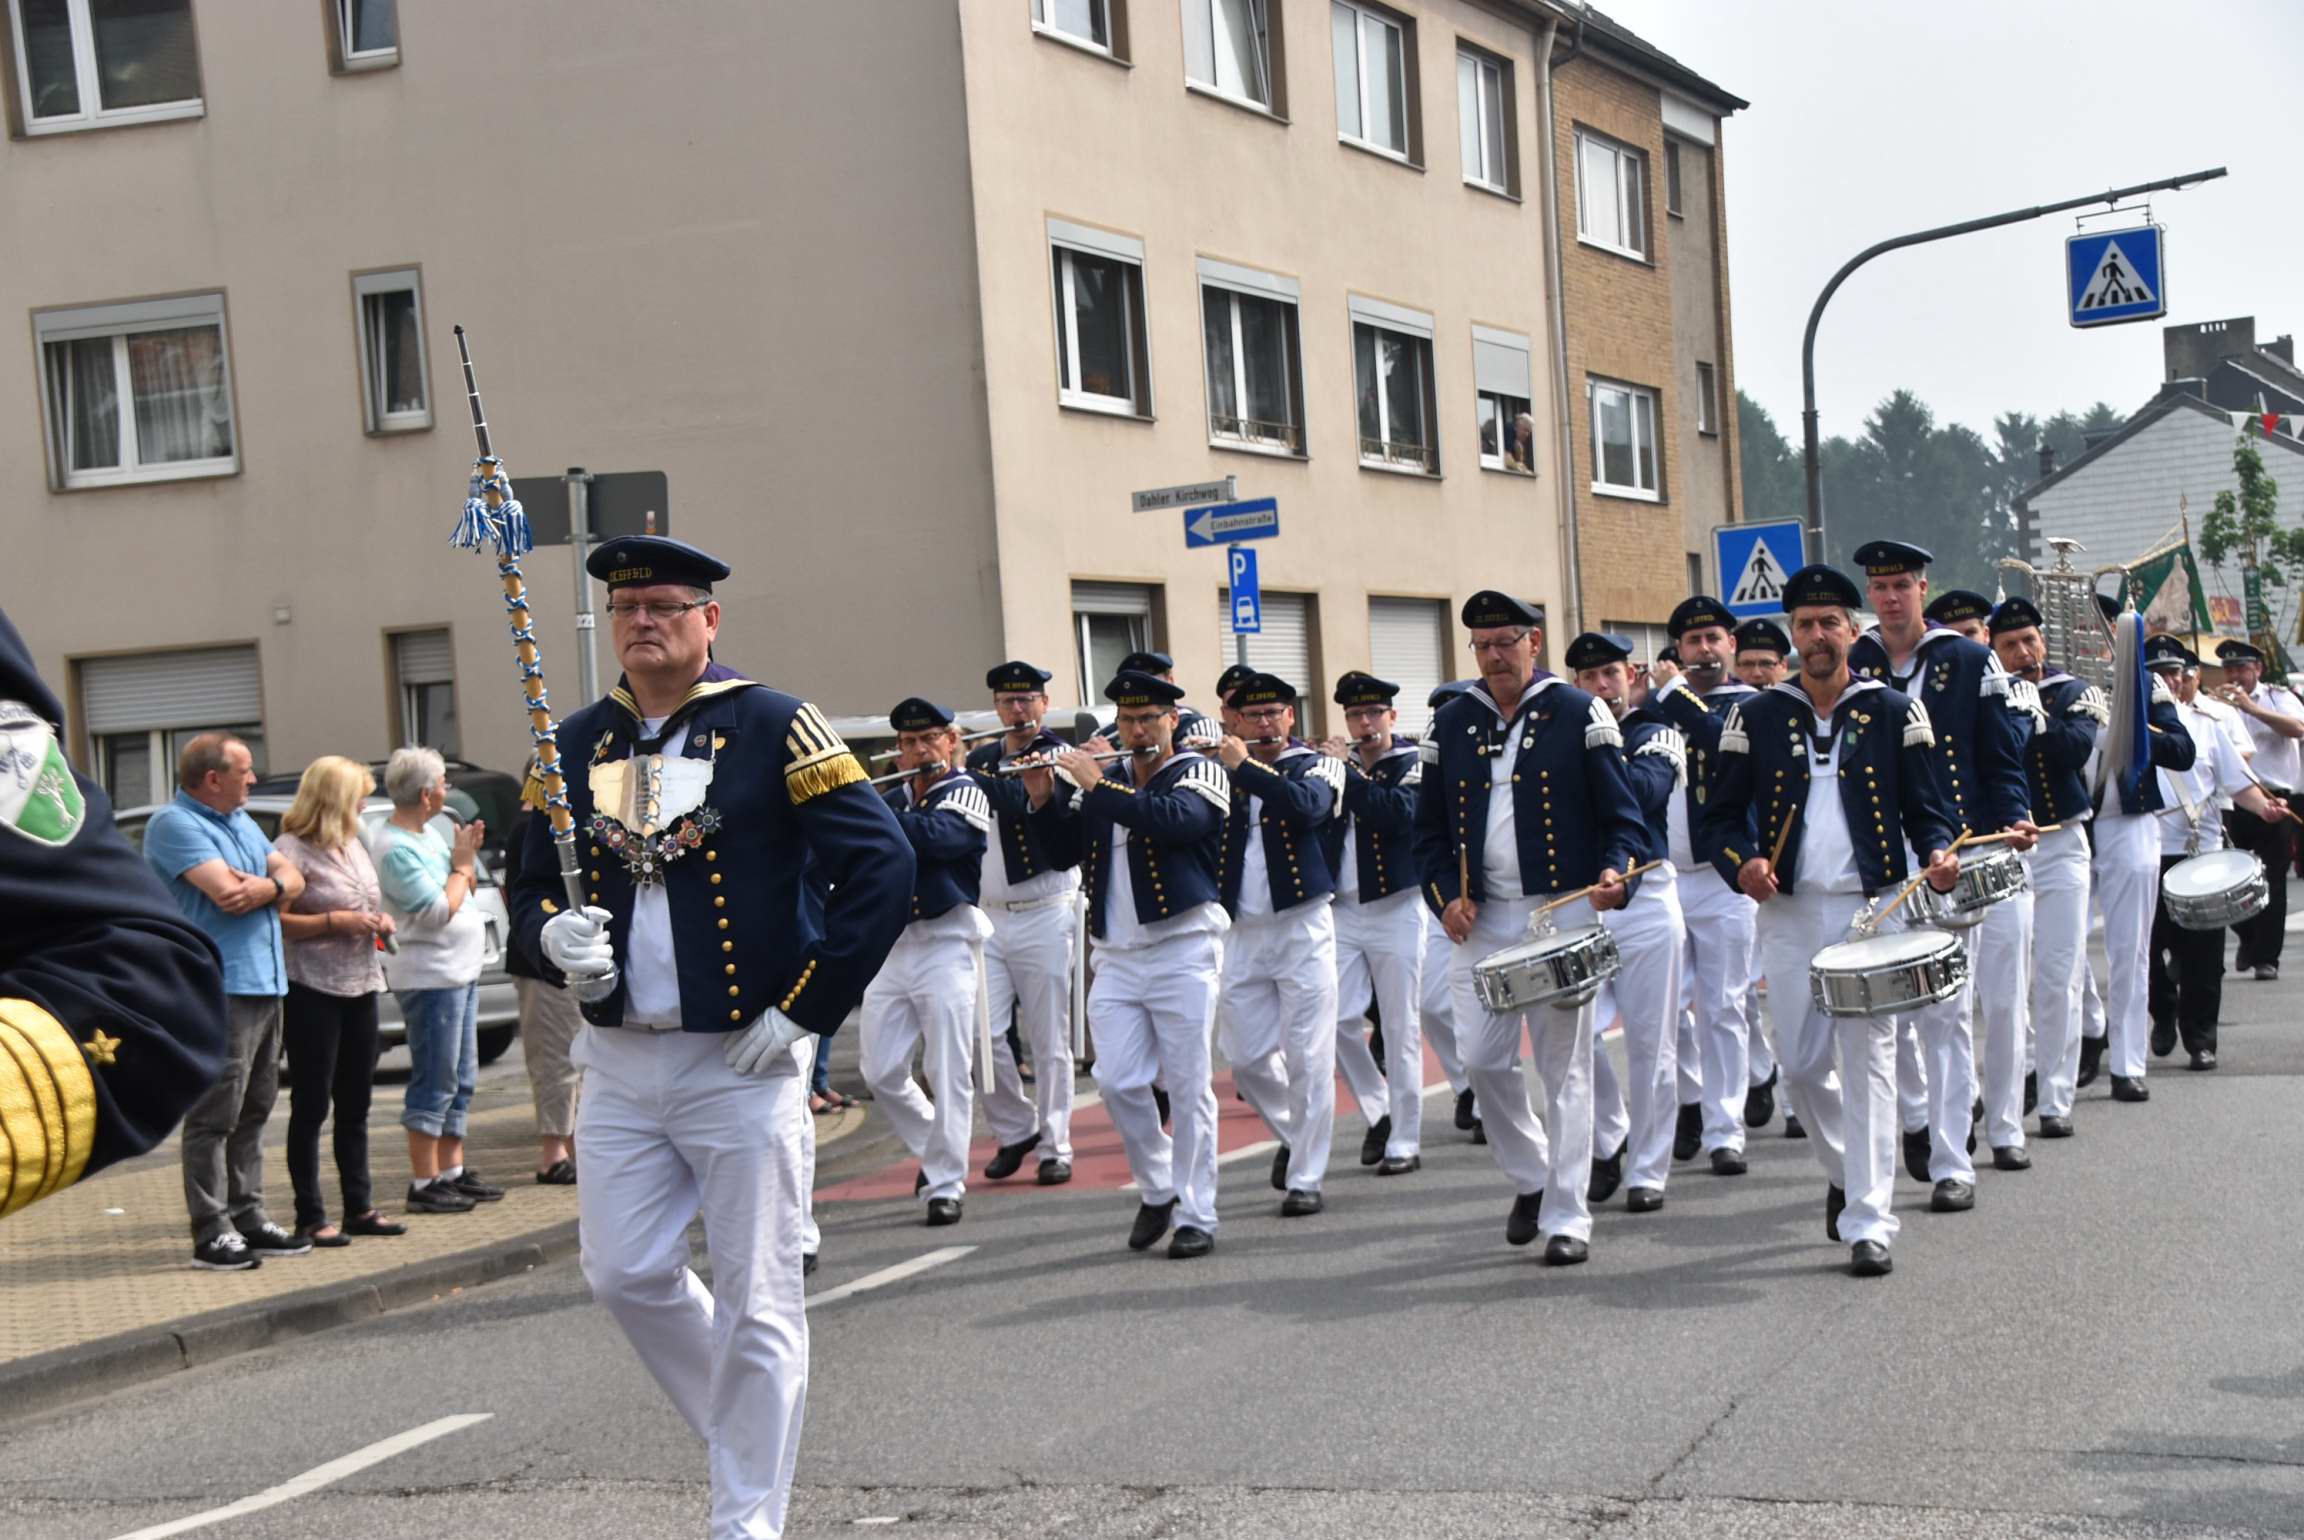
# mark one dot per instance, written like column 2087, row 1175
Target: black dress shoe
column 2054, row 1127
column 1728, row 1162
column 1160, row 1100
column 943, row 1211
column 1760, row 1102
column 1280, row 1169
column 2267, row 972
column 1399, row 1165
column 1916, row 1154
column 1976, row 1110
column 1298, row 1203
column 1644, row 1200
column 1189, row 1242
column 807, row 1264
column 2163, row 1039
column 1835, row 1202
column 1055, row 1171
column 1464, row 1119
column 1372, row 1142
column 2127, row 1088
column 919, row 1182
column 1870, row 1259
column 1565, row 1251
column 1151, row 1223
column 1009, row 1159
column 2242, row 962
column 1793, row 1127
column 2091, row 1059
column 1607, row 1176
column 1520, row 1224
column 1688, row 1133
column 2031, row 1091
column 2010, row 1157
column 1479, row 1131
column 1952, row 1197
column 2203, row 1058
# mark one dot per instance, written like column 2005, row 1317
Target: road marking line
column 886, row 1276
column 315, row 1478
column 1261, row 1147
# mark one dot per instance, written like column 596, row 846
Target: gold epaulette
column 47, row 1105
column 819, row 760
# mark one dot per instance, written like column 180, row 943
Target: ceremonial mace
column 494, row 518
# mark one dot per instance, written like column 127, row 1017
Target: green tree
column 2246, row 524
column 1773, row 483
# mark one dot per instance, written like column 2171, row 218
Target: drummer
column 1822, row 784
column 1527, row 798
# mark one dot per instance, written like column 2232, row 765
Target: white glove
column 595, row 989
column 577, row 944
column 759, row 1047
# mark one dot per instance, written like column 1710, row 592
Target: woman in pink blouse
column 332, row 936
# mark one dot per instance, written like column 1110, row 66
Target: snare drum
column 1986, row 878
column 1882, row 975
column 2218, row 889
column 1563, row 970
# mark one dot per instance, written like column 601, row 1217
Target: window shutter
column 1500, row 363
column 424, row 657
column 206, row 687
column 1408, row 644
column 1284, row 647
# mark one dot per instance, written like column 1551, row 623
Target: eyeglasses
column 1500, row 643
column 1264, row 715
column 662, row 611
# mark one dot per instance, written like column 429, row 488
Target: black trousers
column 2274, row 844
column 2187, row 985
column 331, row 1043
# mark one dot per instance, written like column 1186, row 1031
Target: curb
column 47, row 1381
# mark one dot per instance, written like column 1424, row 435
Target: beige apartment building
column 904, row 297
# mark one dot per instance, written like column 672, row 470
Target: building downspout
column 1571, row 550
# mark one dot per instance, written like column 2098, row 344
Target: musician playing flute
column 1823, row 781
column 1525, row 799
column 1028, row 896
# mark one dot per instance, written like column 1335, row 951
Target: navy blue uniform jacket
column 1297, row 799
column 947, row 829
column 1021, row 850
column 1980, row 728
column 1699, row 717
column 1379, row 818
column 2056, row 760
column 1656, row 759
column 1175, row 824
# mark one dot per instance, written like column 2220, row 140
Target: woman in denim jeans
column 428, row 884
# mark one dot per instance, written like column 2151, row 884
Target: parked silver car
column 499, row 1001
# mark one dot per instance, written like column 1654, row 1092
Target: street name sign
column 1190, row 495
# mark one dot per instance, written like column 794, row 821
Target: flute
column 1024, row 762
column 965, row 738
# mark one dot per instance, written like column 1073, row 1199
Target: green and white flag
column 38, row 797
column 2168, row 593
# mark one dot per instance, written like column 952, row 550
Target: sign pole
column 579, row 540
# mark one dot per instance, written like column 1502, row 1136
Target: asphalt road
column 2111, row 1344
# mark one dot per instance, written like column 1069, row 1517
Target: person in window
column 1524, row 442
column 428, row 883
column 332, row 933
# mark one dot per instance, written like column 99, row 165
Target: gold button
column 735, row 1015
column 711, row 855
column 730, row 968
column 595, row 898
column 727, row 946
column 595, row 876
column 719, row 902
column 595, row 849
column 715, row 879
column 724, row 926
column 734, row 990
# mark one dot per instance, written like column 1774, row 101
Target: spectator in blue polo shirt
column 229, row 881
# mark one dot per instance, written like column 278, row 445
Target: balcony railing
column 1407, row 457
column 1264, row 435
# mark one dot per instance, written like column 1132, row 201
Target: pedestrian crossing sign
column 1755, row 562
column 2114, row 276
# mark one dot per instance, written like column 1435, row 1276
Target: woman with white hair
column 428, row 884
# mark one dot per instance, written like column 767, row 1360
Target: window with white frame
column 1109, row 621
column 1101, row 362
column 1392, row 379
column 368, row 33
column 1373, row 95
column 1611, row 195
column 1624, row 453
column 394, row 381
column 1255, row 371
column 1707, row 399
column 1647, row 637
column 1507, row 422
column 1484, row 120
column 1672, row 178
column 141, row 709
column 425, row 665
column 1230, row 48
column 1088, row 22
column 137, row 392
column 95, row 63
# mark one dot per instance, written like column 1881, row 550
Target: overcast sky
column 1870, row 120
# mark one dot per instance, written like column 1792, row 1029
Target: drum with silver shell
column 1562, row 969
column 2218, row 889
column 1986, row 877
column 1882, row 975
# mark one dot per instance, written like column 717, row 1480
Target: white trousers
column 1936, row 1067
column 1850, row 1115
column 2059, row 962
column 668, row 1130
column 1561, row 1042
column 924, row 999
column 2000, row 950
column 1437, row 1016
column 1715, row 1045
column 1640, row 1114
column 1152, row 1008
column 1278, row 1020
column 1759, row 1056
column 2128, row 883
column 1028, row 965
column 1380, row 953
column 811, row 1238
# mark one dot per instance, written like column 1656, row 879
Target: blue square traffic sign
column 1756, row 561
column 2114, row 276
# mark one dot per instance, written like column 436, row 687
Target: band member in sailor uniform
column 702, row 800
column 929, row 994
column 1980, row 730
column 1762, row 651
column 1370, row 844
column 1822, row 783
column 2274, row 718
column 1278, row 1016
column 1436, row 1009
column 2055, row 762
column 1714, row 1048
column 1207, row 731
column 1527, row 799
column 112, row 1020
column 1029, row 959
column 1193, row 729
column 1634, row 1120
column 1146, row 834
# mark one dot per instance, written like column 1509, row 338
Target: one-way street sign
column 1258, row 519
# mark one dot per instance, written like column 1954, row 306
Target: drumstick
column 2007, row 834
column 2284, row 807
column 1910, row 887
column 1463, row 873
column 1570, row 898
column 1783, row 833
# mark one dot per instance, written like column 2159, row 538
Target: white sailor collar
column 1856, row 687
column 1536, row 687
